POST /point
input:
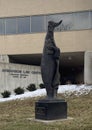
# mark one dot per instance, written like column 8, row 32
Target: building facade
column 23, row 25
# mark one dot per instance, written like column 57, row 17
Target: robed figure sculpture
column 50, row 62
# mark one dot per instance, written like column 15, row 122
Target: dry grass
column 14, row 114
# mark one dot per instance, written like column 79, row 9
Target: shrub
column 41, row 85
column 31, row 87
column 6, row 94
column 19, row 90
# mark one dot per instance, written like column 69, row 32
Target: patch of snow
column 76, row 89
column 64, row 89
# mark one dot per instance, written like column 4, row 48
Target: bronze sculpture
column 50, row 62
column 51, row 107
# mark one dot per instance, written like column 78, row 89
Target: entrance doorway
column 72, row 68
column 71, row 65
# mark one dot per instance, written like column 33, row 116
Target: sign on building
column 17, row 75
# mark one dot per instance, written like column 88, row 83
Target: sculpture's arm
column 57, row 53
column 50, row 50
column 53, row 50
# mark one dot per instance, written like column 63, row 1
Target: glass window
column 71, row 21
column 37, row 23
column 2, row 26
column 67, row 23
column 23, row 24
column 10, row 26
column 91, row 19
column 81, row 20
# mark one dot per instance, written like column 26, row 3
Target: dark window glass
column 10, row 26
column 71, row 21
column 37, row 23
column 81, row 20
column 2, row 26
column 67, row 23
column 23, row 24
column 91, row 18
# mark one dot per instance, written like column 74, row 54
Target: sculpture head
column 52, row 25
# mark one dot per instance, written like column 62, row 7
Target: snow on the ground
column 64, row 89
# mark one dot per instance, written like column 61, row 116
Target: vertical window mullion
column 5, row 25
column 45, row 23
column 16, row 24
column 30, row 24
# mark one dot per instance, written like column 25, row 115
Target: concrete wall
column 16, row 75
column 35, row 7
column 4, row 59
column 88, row 68
column 72, row 41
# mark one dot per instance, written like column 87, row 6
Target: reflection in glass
column 23, row 24
column 38, row 23
column 91, row 19
column 10, row 25
column 81, row 20
column 71, row 21
column 67, row 23
column 2, row 26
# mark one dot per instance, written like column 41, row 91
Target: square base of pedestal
column 50, row 109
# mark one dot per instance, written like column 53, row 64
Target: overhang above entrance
column 66, row 59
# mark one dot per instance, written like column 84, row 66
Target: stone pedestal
column 50, row 109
